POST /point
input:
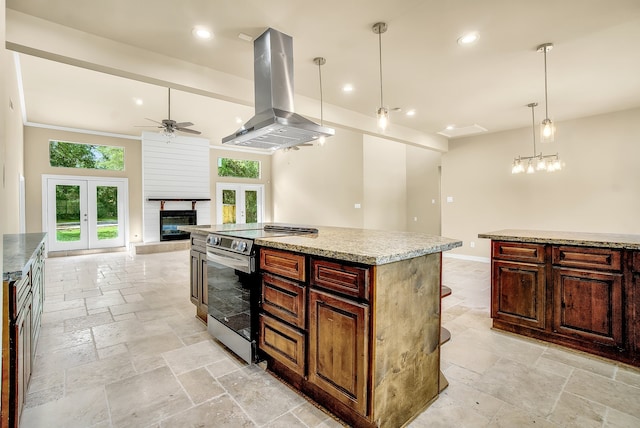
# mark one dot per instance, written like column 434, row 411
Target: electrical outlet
column 415, row 219
column 449, row 198
column 472, row 244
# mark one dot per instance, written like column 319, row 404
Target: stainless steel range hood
column 275, row 125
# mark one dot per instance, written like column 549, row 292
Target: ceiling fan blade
column 147, row 126
column 183, row 124
column 189, row 131
column 154, row 121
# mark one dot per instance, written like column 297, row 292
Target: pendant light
column 547, row 128
column 319, row 61
column 382, row 112
column 537, row 162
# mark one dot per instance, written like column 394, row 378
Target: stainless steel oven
column 233, row 288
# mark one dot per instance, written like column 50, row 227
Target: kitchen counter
column 18, row 250
column 366, row 246
column 609, row 240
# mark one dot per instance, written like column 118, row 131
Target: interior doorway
column 82, row 213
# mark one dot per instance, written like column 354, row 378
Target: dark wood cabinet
column 23, row 298
column 282, row 342
column 283, row 263
column 588, row 305
column 586, row 298
column 338, row 348
column 518, row 293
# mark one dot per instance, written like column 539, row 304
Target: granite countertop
column 585, row 239
column 18, row 250
column 366, row 246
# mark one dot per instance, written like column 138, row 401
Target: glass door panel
column 84, row 214
column 239, row 203
column 229, row 206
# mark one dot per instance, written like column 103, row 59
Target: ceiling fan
column 170, row 126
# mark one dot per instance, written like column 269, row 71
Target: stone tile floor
column 120, row 347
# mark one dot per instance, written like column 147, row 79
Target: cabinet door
column 203, row 284
column 195, row 277
column 518, row 293
column 588, row 305
column 23, row 356
column 338, row 348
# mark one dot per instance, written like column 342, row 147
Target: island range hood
column 275, row 125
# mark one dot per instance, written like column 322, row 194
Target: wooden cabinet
column 586, row 298
column 283, row 323
column 199, row 294
column 518, row 285
column 23, row 296
column 338, row 348
column 23, row 363
column 518, row 293
column 588, row 305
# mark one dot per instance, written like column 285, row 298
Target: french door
column 239, row 203
column 84, row 212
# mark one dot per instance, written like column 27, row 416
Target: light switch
column 449, row 198
column 357, row 206
column 433, row 201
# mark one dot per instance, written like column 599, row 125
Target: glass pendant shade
column 547, row 131
column 530, row 169
column 383, row 118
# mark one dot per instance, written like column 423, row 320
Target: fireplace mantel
column 163, row 200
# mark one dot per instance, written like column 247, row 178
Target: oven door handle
column 241, row 263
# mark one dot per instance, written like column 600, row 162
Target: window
column 238, row 168
column 80, row 155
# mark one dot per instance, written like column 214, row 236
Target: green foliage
column 73, row 234
column 107, row 202
column 238, row 168
column 251, row 206
column 75, row 155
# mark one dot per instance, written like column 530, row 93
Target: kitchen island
column 351, row 318
column 580, row 290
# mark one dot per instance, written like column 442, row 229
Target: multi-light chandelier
column 539, row 161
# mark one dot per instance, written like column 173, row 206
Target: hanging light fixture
column 537, row 162
column 547, row 128
column 383, row 112
column 320, row 61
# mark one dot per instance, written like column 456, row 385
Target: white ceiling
column 593, row 67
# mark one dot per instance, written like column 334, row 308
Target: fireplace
column 171, row 219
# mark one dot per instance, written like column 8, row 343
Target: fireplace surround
column 171, row 219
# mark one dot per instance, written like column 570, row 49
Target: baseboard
column 466, row 257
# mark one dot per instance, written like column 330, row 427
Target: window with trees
column 81, row 155
column 238, row 168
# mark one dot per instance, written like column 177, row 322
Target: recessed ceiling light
column 411, row 112
column 347, row 88
column 138, row 101
column 450, row 127
column 201, row 33
column 468, row 38
column 245, row 37
column 238, row 120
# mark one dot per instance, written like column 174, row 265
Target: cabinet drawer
column 345, row 279
column 198, row 243
column 588, row 258
column 284, row 299
column 284, row 263
column 636, row 261
column 283, row 343
column 517, row 251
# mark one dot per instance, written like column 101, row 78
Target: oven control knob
column 214, row 240
column 242, row 247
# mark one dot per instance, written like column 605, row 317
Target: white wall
column 597, row 191
column 173, row 168
column 385, row 184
